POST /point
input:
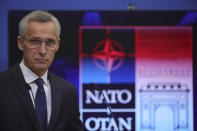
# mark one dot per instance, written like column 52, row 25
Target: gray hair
column 38, row 16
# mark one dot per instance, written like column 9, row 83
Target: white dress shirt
column 29, row 79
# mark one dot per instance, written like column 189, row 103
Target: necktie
column 40, row 104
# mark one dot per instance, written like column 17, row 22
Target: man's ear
column 58, row 45
column 20, row 43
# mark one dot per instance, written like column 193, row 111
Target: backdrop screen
column 143, row 62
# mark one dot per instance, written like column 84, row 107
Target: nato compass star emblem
column 105, row 49
column 108, row 55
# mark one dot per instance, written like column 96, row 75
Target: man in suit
column 31, row 97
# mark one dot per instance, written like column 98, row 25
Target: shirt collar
column 31, row 76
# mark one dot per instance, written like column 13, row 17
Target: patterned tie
column 40, row 104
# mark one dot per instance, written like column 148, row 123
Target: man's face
column 38, row 53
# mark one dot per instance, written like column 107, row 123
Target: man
column 31, row 97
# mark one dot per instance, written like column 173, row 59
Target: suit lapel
column 56, row 100
column 20, row 87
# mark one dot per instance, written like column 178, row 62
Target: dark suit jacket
column 16, row 108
